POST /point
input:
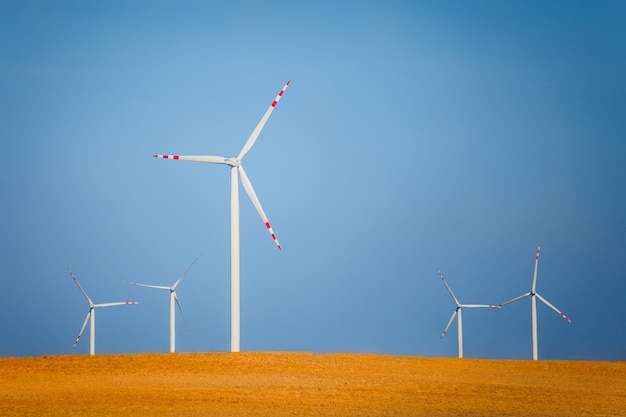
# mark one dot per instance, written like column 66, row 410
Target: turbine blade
column 534, row 287
column 257, row 204
column 448, row 287
column 193, row 158
column 79, row 287
column 181, row 311
column 449, row 323
column 546, row 302
column 255, row 133
column 119, row 303
column 488, row 306
column 82, row 329
column 184, row 273
column 514, row 299
column 160, row 287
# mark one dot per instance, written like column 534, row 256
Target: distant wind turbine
column 236, row 170
column 92, row 315
column 533, row 294
column 173, row 300
column 459, row 311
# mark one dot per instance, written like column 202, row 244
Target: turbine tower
column 236, row 171
column 459, row 311
column 533, row 294
column 91, row 315
column 173, row 300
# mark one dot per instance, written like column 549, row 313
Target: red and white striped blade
column 257, row 130
column 456, row 301
column 534, row 287
column 257, row 204
column 79, row 287
column 194, row 158
column 488, row 306
column 119, row 303
column 449, row 323
column 546, row 302
column 82, row 329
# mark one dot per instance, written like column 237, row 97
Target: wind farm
column 412, row 136
column 238, row 173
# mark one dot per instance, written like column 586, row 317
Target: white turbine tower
column 459, row 311
column 173, row 300
column 236, row 170
column 533, row 294
column 92, row 315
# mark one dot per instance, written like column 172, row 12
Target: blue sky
column 413, row 136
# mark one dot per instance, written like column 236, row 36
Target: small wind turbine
column 459, row 311
column 173, row 300
column 533, row 297
column 236, row 170
column 92, row 315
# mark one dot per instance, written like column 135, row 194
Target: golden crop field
column 307, row 384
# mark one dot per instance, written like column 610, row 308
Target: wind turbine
column 459, row 311
column 173, row 300
column 236, row 170
column 533, row 294
column 92, row 315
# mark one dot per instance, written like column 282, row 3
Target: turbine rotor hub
column 233, row 162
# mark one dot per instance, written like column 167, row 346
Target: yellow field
column 281, row 384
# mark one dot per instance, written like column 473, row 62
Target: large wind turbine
column 459, row 311
column 92, row 315
column 173, row 300
column 236, row 170
column 533, row 294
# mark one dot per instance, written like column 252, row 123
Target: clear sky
column 414, row 136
